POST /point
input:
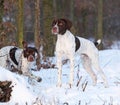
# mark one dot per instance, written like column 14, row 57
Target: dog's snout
column 54, row 29
column 30, row 58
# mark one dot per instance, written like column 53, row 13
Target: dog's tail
column 97, row 42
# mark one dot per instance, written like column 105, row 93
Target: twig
column 79, row 102
column 78, row 72
column 84, row 86
column 107, row 63
column 79, row 81
column 65, row 103
column 117, row 83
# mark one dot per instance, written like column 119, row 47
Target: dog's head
column 59, row 26
column 31, row 53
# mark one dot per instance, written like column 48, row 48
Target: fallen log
column 5, row 91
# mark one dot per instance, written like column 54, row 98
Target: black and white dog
column 69, row 45
column 14, row 58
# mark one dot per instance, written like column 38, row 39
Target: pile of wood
column 5, row 91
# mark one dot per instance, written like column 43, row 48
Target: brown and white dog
column 14, row 58
column 69, row 45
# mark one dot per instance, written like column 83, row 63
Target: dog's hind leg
column 99, row 70
column 86, row 61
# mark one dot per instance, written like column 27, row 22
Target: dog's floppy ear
column 54, row 21
column 69, row 23
column 25, row 45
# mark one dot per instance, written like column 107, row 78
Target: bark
column 71, row 10
column 1, row 10
column 100, row 21
column 37, row 24
column 37, row 29
column 20, row 22
column 55, row 8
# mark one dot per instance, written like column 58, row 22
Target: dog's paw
column 59, row 84
column 39, row 79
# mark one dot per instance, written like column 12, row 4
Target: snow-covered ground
column 30, row 92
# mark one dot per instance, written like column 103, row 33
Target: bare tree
column 20, row 22
column 37, row 27
column 1, row 9
column 1, row 15
column 100, row 20
column 71, row 9
column 55, row 8
column 37, row 24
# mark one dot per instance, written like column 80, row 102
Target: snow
column 116, row 45
column 30, row 92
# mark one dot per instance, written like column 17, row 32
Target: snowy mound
column 21, row 93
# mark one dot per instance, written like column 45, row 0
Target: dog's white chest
column 24, row 64
column 65, row 44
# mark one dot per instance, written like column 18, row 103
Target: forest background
column 31, row 20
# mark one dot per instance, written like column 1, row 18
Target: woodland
column 31, row 20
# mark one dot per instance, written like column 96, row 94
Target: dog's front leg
column 30, row 75
column 59, row 66
column 71, row 71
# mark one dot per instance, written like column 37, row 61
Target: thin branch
column 84, row 86
column 79, row 81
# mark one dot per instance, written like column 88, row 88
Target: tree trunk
column 55, row 8
column 2, row 37
column 1, row 10
column 37, row 28
column 48, row 18
column 20, row 22
column 71, row 10
column 100, row 21
column 37, row 24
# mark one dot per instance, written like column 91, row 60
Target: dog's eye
column 27, row 53
column 60, row 24
column 33, row 53
column 53, row 24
